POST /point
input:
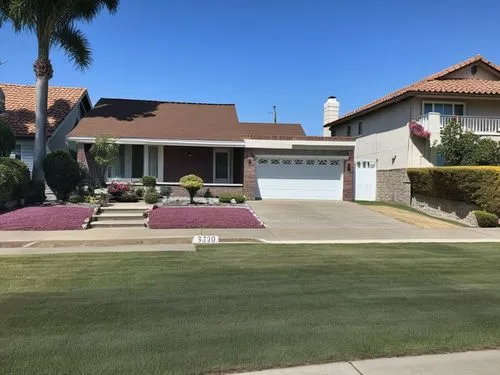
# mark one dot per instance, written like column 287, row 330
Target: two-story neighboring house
column 468, row 91
column 66, row 106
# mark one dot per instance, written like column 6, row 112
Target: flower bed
column 45, row 218
column 203, row 217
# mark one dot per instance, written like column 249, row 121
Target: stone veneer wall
column 393, row 185
column 348, row 193
column 249, row 174
column 445, row 208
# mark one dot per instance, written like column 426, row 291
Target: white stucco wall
column 481, row 73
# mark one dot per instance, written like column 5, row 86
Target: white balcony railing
column 477, row 124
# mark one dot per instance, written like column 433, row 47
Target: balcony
column 479, row 125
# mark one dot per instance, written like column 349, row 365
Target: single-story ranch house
column 66, row 106
column 261, row 160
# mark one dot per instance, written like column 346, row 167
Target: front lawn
column 45, row 218
column 203, row 217
column 244, row 307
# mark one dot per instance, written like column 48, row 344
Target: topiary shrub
column 486, row 220
column 127, row 196
column 62, row 173
column 476, row 185
column 228, row 197
column 7, row 140
column 14, row 180
column 152, row 197
column 76, row 199
column 139, row 192
column 149, row 181
column 192, row 184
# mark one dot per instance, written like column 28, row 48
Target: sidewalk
column 127, row 236
column 468, row 363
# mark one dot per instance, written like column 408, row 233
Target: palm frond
column 74, row 43
column 88, row 9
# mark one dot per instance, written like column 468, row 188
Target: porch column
column 160, row 163
column 146, row 161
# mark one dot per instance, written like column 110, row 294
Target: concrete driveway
column 321, row 215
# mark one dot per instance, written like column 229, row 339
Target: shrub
column 192, row 184
column 476, row 185
column 76, row 199
column 62, row 173
column 7, row 140
column 105, row 152
column 167, row 192
column 127, row 196
column 36, row 193
column 207, row 194
column 152, row 197
column 149, row 181
column 228, row 197
column 116, row 188
column 14, row 180
column 139, row 192
column 486, row 220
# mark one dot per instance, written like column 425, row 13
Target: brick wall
column 249, row 174
column 348, row 177
column 393, row 185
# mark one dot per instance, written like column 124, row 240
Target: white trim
column 298, row 144
column 164, row 142
column 229, row 153
column 424, row 102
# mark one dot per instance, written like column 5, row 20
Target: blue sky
column 260, row 53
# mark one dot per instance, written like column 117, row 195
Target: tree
column 192, row 184
column 54, row 22
column 7, row 140
column 105, row 152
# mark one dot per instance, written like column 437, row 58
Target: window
column 333, row 132
column 446, row 109
column 17, row 152
column 360, row 128
column 348, row 130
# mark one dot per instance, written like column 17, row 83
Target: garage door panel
column 299, row 178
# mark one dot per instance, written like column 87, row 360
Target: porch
column 221, row 168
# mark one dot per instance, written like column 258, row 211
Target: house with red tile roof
column 385, row 129
column 260, row 160
column 66, row 106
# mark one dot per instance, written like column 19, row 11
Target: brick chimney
column 331, row 112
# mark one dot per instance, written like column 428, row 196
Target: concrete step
column 118, row 216
column 118, row 224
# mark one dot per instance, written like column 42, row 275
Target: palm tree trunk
column 42, row 93
column 43, row 72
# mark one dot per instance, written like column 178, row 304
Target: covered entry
column 299, row 177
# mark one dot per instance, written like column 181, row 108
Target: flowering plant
column 118, row 188
column 417, row 130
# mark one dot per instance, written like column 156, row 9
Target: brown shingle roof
column 435, row 84
column 126, row 118
column 257, row 129
column 20, row 107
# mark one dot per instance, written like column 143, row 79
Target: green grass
column 404, row 207
column 244, row 307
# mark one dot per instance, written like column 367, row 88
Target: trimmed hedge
column 476, row 185
column 152, row 197
column 14, row 180
column 149, row 181
column 62, row 173
column 227, row 197
column 486, row 220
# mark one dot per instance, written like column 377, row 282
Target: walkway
column 468, row 363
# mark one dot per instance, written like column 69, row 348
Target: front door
column 222, row 166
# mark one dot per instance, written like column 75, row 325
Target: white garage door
column 299, row 177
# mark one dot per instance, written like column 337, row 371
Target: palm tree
column 54, row 22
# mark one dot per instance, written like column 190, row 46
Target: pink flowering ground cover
column 45, row 218
column 203, row 217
